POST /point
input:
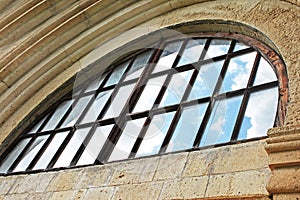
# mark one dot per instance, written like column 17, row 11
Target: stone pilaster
column 283, row 147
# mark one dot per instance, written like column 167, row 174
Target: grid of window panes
column 189, row 93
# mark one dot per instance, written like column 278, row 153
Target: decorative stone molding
column 283, row 147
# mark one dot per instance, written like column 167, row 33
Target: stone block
column 241, row 157
column 186, row 188
column 201, row 163
column 65, row 180
column 39, row 196
column 285, row 180
column 290, row 196
column 99, row 193
column 149, row 168
column 70, row 194
column 17, row 196
column 33, row 183
column 135, row 171
column 125, row 172
column 150, row 190
column 3, row 87
column 6, row 183
column 286, row 158
column 238, row 184
column 170, row 166
column 95, row 176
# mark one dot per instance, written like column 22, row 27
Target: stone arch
column 35, row 64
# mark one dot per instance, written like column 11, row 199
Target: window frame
column 255, row 45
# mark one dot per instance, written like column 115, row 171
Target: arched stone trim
column 35, row 79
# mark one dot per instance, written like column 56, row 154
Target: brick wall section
column 239, row 170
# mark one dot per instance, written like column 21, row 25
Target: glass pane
column 127, row 139
column 206, row 80
column 38, row 125
column 94, row 84
column 116, row 75
column 217, row 47
column 187, row 128
column 155, row 134
column 13, row 155
column 77, row 109
column 260, row 114
column 168, row 56
column 76, row 90
column 265, row 73
column 240, row 46
column 176, row 88
column 119, row 101
column 192, row 52
column 222, row 120
column 94, row 146
column 238, row 72
column 50, row 151
column 31, row 153
column 138, row 65
column 72, row 147
column 58, row 115
column 96, row 107
column 149, row 94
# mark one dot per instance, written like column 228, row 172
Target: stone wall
column 44, row 43
column 238, row 171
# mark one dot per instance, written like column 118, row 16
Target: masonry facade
column 45, row 43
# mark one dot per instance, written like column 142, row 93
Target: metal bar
column 212, row 102
column 242, row 110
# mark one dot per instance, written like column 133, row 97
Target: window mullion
column 239, row 120
column 61, row 149
column 115, row 91
column 83, row 145
column 213, row 100
column 40, row 152
column 21, row 155
column 184, row 98
column 132, row 100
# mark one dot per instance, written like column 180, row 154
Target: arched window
column 180, row 94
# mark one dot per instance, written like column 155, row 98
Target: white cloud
column 155, row 134
column 261, row 110
column 265, row 73
column 240, row 68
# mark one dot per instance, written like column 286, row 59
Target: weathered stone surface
column 39, row 196
column 286, row 158
column 242, row 157
column 238, row 184
column 33, row 183
column 186, row 188
column 95, row 176
column 291, row 196
column 21, row 60
column 285, row 180
column 99, row 193
column 17, row 196
column 65, row 180
column 170, row 166
column 201, row 163
column 233, row 158
column 141, row 191
column 70, row 194
column 125, row 173
column 136, row 171
column 6, row 184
